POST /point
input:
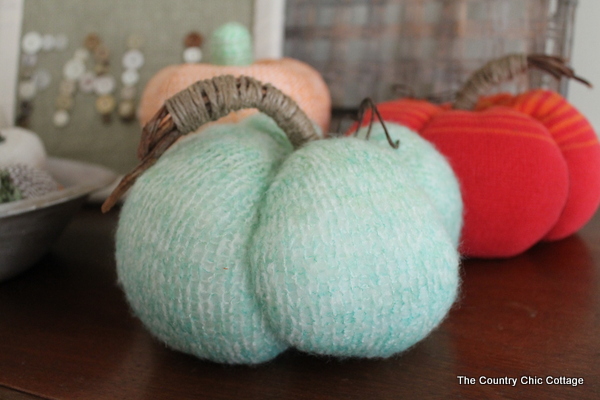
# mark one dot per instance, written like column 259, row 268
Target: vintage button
column 66, row 87
column 64, row 102
column 42, row 78
column 135, row 41
column 61, row 42
column 104, row 84
column 126, row 110
column 22, row 121
column 27, row 72
column 23, row 113
column 101, row 53
column 91, row 41
column 48, row 42
column 128, row 92
column 133, row 59
column 61, row 118
column 86, row 82
column 101, row 69
column 130, row 77
column 193, row 39
column 82, row 54
column 31, row 42
column 105, row 104
column 29, row 60
column 25, row 108
column 27, row 89
column 73, row 69
column 192, row 55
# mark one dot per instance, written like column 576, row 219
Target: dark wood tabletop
column 67, row 333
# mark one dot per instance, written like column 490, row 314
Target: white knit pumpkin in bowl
column 23, row 166
column 38, row 197
column 21, row 146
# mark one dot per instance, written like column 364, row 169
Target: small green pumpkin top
column 231, row 44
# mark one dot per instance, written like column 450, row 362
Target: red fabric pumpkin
column 578, row 144
column 529, row 166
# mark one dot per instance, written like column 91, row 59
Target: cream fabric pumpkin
column 21, row 146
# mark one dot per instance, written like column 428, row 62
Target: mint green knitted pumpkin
column 234, row 247
column 429, row 169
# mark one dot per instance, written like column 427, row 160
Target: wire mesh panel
column 425, row 47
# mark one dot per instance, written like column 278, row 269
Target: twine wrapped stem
column 206, row 101
column 506, row 68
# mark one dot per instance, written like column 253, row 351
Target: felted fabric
column 231, row 44
column 351, row 260
column 429, row 168
column 234, row 248
column 513, row 176
column 182, row 244
column 578, row 144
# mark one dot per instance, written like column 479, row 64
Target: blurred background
column 586, row 59
column 428, row 48
column 379, row 48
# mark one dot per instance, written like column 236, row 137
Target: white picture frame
column 11, row 17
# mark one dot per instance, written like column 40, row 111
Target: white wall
column 268, row 30
column 586, row 60
column 11, row 12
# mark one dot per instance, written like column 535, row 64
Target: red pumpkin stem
column 506, row 68
column 207, row 101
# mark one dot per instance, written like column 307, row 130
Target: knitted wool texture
column 20, row 181
column 429, row 168
column 234, row 248
column 231, row 44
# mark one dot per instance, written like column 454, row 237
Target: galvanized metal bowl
column 28, row 228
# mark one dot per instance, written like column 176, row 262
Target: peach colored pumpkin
column 298, row 80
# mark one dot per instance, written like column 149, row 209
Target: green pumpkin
column 235, row 246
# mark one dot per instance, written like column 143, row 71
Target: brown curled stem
column 128, row 180
column 206, row 101
column 160, row 125
column 506, row 68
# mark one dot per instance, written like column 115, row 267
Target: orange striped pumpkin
column 528, row 165
column 578, row 143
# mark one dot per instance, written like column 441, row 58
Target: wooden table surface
column 66, row 333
